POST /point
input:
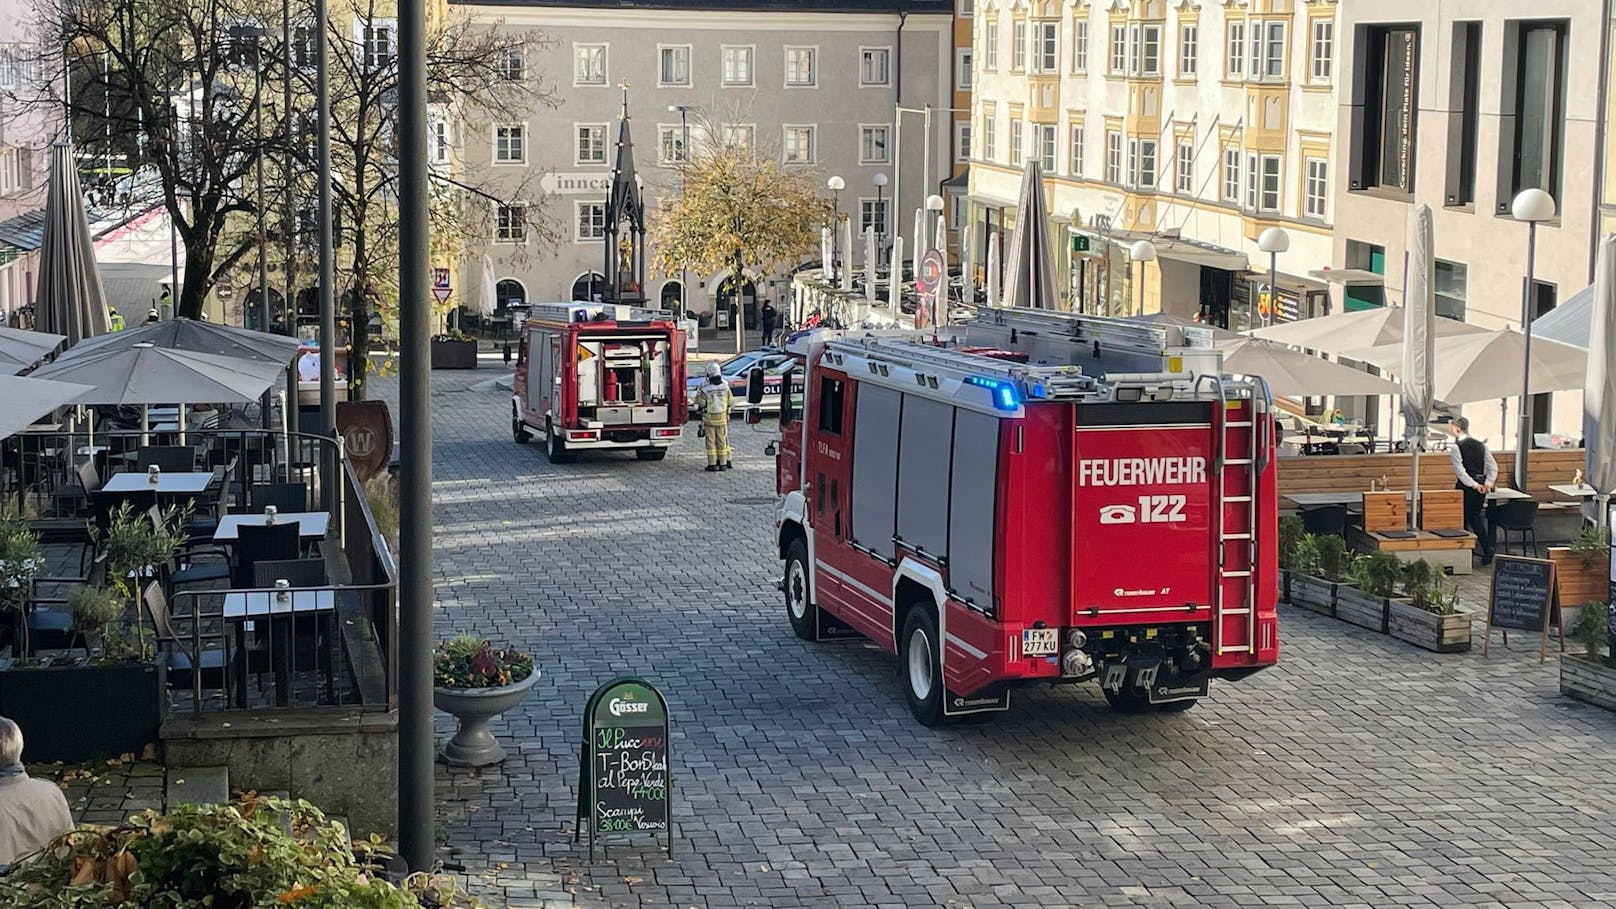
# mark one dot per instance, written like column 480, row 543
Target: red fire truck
column 1039, row 498
column 599, row 376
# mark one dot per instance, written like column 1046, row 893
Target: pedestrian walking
column 769, row 317
column 115, row 319
column 713, row 401
column 1476, row 472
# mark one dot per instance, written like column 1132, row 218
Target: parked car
column 734, row 371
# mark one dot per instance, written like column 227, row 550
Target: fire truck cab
column 599, row 376
column 1031, row 498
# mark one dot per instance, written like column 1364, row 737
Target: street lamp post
column 836, row 185
column 683, row 110
column 1142, row 252
column 1273, row 241
column 880, row 181
column 1532, row 206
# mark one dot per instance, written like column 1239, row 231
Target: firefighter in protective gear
column 713, row 401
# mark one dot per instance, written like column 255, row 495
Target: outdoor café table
column 1505, row 494
column 278, row 609
column 178, row 483
column 311, row 525
column 1574, row 491
column 1316, row 499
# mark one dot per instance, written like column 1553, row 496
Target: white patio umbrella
column 24, row 399
column 918, row 251
column 1419, row 347
column 1360, row 334
column 1293, row 373
column 993, row 270
column 20, row 348
column 1599, row 386
column 826, row 256
column 488, row 297
column 895, row 279
column 1486, row 366
column 869, row 266
column 967, row 267
column 847, row 256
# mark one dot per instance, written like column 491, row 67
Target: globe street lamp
column 836, row 185
column 880, row 181
column 1273, row 241
column 682, row 155
column 1142, row 252
column 1532, row 206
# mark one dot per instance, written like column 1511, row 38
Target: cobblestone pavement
column 1360, row 772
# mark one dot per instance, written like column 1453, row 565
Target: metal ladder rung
column 1228, row 499
column 1238, row 425
column 1241, row 461
column 1235, row 536
column 1246, row 611
column 1234, row 574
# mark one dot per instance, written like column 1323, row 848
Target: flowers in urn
column 466, row 661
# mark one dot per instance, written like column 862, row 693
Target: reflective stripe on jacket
column 713, row 401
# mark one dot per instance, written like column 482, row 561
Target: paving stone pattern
column 1361, row 772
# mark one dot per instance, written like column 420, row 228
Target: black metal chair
column 1320, row 520
column 263, row 543
column 173, row 654
column 297, row 572
column 284, row 496
column 74, row 498
column 172, row 458
column 1517, row 516
column 50, row 623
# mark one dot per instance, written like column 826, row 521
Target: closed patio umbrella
column 1293, row 373
column 20, row 348
column 1419, row 348
column 1599, row 386
column 1029, row 279
column 68, row 299
column 488, row 293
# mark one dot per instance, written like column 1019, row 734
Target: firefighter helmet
column 713, row 371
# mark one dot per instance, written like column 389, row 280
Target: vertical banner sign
column 624, row 786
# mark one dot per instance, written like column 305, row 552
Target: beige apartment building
column 1194, row 124
column 1460, row 106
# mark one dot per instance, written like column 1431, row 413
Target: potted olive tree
column 1591, row 675
column 1430, row 616
column 1319, row 566
column 20, row 565
column 474, row 682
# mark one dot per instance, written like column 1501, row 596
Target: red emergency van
column 1033, row 497
column 599, row 376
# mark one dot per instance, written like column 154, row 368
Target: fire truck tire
column 921, row 670
column 800, row 609
column 520, row 432
column 555, row 448
column 650, row 454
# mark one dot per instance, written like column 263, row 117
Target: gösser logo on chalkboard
column 1522, row 598
column 624, row 786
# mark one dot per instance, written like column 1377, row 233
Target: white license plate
column 1040, row 641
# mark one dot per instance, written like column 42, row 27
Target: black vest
column 1473, row 455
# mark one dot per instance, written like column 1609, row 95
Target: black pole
column 288, row 217
column 258, row 128
column 415, row 460
column 328, row 280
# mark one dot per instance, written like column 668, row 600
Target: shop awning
column 1349, row 277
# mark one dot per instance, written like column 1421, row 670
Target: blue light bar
column 1005, row 394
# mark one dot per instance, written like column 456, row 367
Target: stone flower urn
column 473, row 745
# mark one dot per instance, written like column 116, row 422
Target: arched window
column 508, row 293
column 670, row 295
column 587, row 287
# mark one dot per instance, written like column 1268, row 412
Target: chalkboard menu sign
column 623, row 775
column 1522, row 599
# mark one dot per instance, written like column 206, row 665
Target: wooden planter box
column 1313, row 594
column 1441, row 633
column 1588, row 680
column 1358, row 608
column 1576, row 582
column 454, row 354
column 84, row 713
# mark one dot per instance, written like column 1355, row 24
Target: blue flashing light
column 1005, row 394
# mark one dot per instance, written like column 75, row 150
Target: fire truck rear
column 1039, row 498
column 599, row 376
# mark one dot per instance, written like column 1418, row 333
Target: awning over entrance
column 1349, row 277
column 1180, row 250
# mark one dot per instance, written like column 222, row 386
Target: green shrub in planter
column 1429, row 589
column 93, row 610
column 1592, row 629
column 1290, row 534
column 1376, row 573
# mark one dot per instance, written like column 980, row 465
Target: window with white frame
column 438, row 133
column 1077, row 150
column 1273, row 50
column 1017, row 129
column 1269, row 187
column 1113, row 156
column 589, row 64
column 1046, row 57
column 1231, row 176
column 1130, row 174
column 591, row 220
column 740, row 135
column 510, row 144
column 673, row 65
column 1188, row 47
column 514, row 65
column 378, row 42
column 11, row 56
column 1119, row 50
column 1018, row 47
column 1322, row 53
column 1252, row 168
column 875, row 66
column 1047, row 146
column 1147, row 50
column 799, row 145
column 873, row 144
column 737, row 61
column 990, row 138
column 1317, row 188
column 1184, row 179
column 990, row 46
column 962, row 141
column 873, row 215
column 1235, row 62
column 1080, row 46
column 802, row 67
column 510, row 223
column 591, row 146
column 965, row 9
column 670, row 144
column 1146, row 178
column 962, row 69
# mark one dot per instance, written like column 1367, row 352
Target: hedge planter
column 1362, row 609
column 1423, row 628
column 82, row 712
column 473, row 745
column 1579, row 576
column 1313, row 594
column 1593, row 681
column 449, row 354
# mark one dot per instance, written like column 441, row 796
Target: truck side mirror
column 754, row 416
column 754, row 385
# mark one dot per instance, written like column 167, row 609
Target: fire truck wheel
column 650, row 454
column 520, row 432
column 555, row 448
column 800, row 610
column 922, row 674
